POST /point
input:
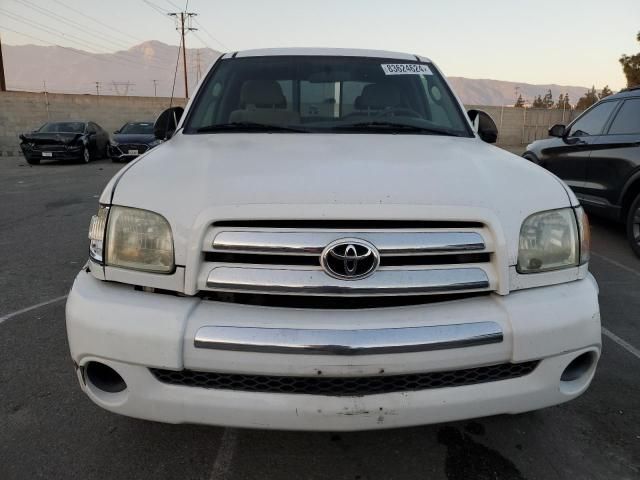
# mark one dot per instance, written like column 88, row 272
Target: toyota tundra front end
column 327, row 243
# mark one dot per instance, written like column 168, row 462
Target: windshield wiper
column 248, row 127
column 393, row 127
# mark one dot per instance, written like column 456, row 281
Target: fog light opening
column 579, row 367
column 104, row 378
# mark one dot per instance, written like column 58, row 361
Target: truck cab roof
column 329, row 52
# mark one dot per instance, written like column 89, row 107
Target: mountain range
column 149, row 69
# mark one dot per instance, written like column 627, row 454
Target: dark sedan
column 598, row 156
column 77, row 141
column 133, row 139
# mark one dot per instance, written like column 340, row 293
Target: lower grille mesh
column 344, row 386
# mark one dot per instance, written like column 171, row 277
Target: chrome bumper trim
column 307, row 281
column 347, row 342
column 313, row 242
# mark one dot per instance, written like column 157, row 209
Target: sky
column 564, row 42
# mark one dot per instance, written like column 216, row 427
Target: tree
column 587, row 99
column 631, row 67
column 605, row 92
column 538, row 102
column 519, row 102
column 548, row 100
column 563, row 102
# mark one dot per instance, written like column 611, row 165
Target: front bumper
column 132, row 331
column 75, row 154
column 118, row 154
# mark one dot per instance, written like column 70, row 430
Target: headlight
column 584, row 230
column 551, row 240
column 131, row 238
column 155, row 143
column 96, row 234
column 140, row 240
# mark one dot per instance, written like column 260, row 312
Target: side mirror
column 167, row 123
column 484, row 125
column 558, row 130
column 116, row 132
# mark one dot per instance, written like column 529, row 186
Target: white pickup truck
column 328, row 242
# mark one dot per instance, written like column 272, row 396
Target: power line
column 69, row 49
column 74, row 39
column 156, row 8
column 202, row 41
column 174, row 5
column 211, row 36
column 101, row 23
column 126, row 56
column 49, row 14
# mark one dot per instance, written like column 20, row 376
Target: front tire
column 86, row 155
column 633, row 226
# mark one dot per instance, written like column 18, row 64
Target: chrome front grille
column 314, row 242
column 415, row 259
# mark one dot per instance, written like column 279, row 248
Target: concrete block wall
column 22, row 112
column 25, row 111
column 520, row 126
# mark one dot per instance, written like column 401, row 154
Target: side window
column 593, row 121
column 91, row 128
column 627, row 120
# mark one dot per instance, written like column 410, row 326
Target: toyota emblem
column 350, row 259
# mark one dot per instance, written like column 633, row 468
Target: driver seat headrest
column 262, row 94
column 378, row 96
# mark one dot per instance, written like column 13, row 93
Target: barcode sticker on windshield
column 405, row 69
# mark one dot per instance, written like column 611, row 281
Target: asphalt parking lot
column 49, row 429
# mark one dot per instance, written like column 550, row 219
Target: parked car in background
column 131, row 140
column 328, row 242
column 79, row 141
column 598, row 156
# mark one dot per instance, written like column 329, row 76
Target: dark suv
column 598, row 156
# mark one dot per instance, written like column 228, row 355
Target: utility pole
column 97, row 88
column 3, row 84
column 155, row 88
column 184, row 18
column 198, row 70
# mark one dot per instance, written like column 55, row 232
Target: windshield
column 137, row 128
column 318, row 94
column 62, row 127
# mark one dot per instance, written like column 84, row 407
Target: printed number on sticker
column 405, row 69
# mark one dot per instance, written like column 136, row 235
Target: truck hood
column 194, row 180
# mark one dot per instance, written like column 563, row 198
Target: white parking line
column 624, row 344
column 32, row 307
column 616, row 263
column 224, row 457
